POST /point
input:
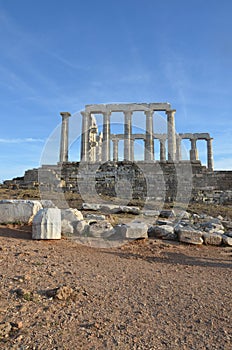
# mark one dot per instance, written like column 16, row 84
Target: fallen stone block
column 90, row 206
column 71, row 214
column 162, row 232
column 130, row 210
column 101, row 229
column 133, row 230
column 212, row 239
column 47, row 224
column 23, row 211
column 166, row 214
column 190, row 236
column 151, row 213
column 94, row 217
column 227, row 240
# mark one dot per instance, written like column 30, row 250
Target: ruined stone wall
column 136, row 180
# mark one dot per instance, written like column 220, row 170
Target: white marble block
column 47, row 224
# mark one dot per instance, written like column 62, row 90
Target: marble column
column 178, row 147
column 210, row 154
column 115, row 149
column 127, row 135
column 171, row 135
column 193, row 151
column 149, row 142
column 93, row 144
column 162, row 150
column 85, row 136
column 106, row 137
column 64, row 137
column 132, row 149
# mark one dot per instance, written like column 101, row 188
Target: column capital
column 171, row 112
column 149, row 113
column 65, row 114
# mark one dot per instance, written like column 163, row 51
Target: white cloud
column 24, row 140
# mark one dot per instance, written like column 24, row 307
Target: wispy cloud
column 21, row 140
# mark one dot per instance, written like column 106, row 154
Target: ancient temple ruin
column 96, row 146
column 160, row 176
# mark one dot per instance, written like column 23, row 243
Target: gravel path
column 144, row 295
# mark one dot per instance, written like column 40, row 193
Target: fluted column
column 85, row 136
column 106, row 137
column 210, row 154
column 127, row 135
column 162, row 150
column 178, row 148
column 115, row 149
column 193, row 151
column 64, row 136
column 132, row 149
column 171, row 135
column 149, row 142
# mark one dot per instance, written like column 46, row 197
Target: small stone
column 212, row 239
column 227, row 240
column 167, row 214
column 160, row 231
column 60, row 293
column 5, row 328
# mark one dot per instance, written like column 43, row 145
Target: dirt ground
column 147, row 294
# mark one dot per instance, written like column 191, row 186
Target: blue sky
column 60, row 55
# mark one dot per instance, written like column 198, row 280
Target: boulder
column 212, row 238
column 95, row 217
column 47, row 224
column 132, row 230
column 162, row 232
column 13, row 211
column 190, row 236
column 227, row 240
column 166, row 214
column 111, row 208
column 101, row 229
column 74, row 228
column 150, row 213
column 71, row 214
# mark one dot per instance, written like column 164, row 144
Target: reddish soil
column 147, row 294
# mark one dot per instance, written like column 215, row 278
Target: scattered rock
column 47, row 224
column 23, row 211
column 163, row 232
column 227, row 240
column 60, row 293
column 71, row 214
column 111, row 208
column 212, row 238
column 133, row 230
column 5, row 328
column 101, row 229
column 24, row 293
column 190, row 236
column 151, row 213
column 95, row 217
column 166, row 214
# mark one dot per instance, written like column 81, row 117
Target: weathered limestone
column 23, row 211
column 212, row 238
column 186, row 235
column 47, row 224
column 64, row 137
column 162, row 232
column 101, row 229
column 178, row 148
column 132, row 230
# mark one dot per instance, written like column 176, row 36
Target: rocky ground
column 147, row 294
